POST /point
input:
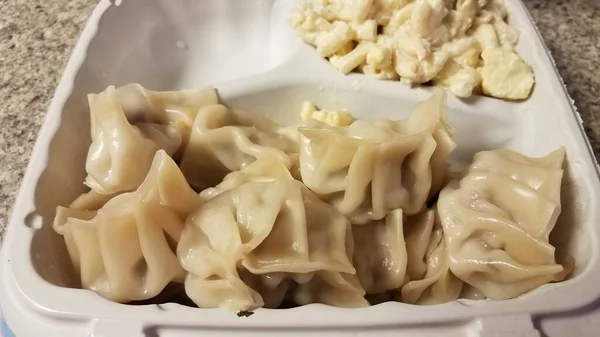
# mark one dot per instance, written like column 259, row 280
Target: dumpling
column 368, row 169
column 366, row 178
column 165, row 107
column 91, row 201
column 497, row 220
column 125, row 251
column 275, row 231
column 128, row 126
column 224, row 140
column 262, row 170
column 382, row 257
column 339, row 289
column 431, row 281
column 405, row 254
column 430, row 117
column 328, row 287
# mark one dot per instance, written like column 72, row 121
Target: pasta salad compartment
column 211, row 195
column 465, row 45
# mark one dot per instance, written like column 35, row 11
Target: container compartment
column 247, row 51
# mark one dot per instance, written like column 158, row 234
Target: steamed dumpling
column 368, row 169
column 165, row 107
column 274, row 231
column 431, row 281
column 264, row 169
column 406, row 254
column 125, row 251
column 497, row 220
column 381, row 258
column 339, row 289
column 224, row 140
column 90, row 201
column 329, row 287
column 129, row 125
column 430, row 117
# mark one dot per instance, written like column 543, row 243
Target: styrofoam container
column 246, row 49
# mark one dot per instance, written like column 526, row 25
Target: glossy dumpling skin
column 264, row 235
column 497, row 220
column 224, row 140
column 381, row 256
column 368, row 169
column 166, row 107
column 334, row 288
column 430, row 117
column 128, row 126
column 428, row 268
column 407, row 255
column 264, row 169
column 125, row 251
column 91, row 201
column 328, row 287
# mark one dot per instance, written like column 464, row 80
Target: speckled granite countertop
column 36, row 38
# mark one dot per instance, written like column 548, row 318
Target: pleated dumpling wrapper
column 430, row 117
column 262, row 241
column 128, row 126
column 497, row 220
column 224, row 140
column 125, row 251
column 407, row 254
column 368, row 169
column 381, row 259
column 264, row 169
column 90, row 201
column 428, row 267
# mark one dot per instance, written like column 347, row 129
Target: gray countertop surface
column 37, row 36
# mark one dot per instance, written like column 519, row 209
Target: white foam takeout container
column 246, row 49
